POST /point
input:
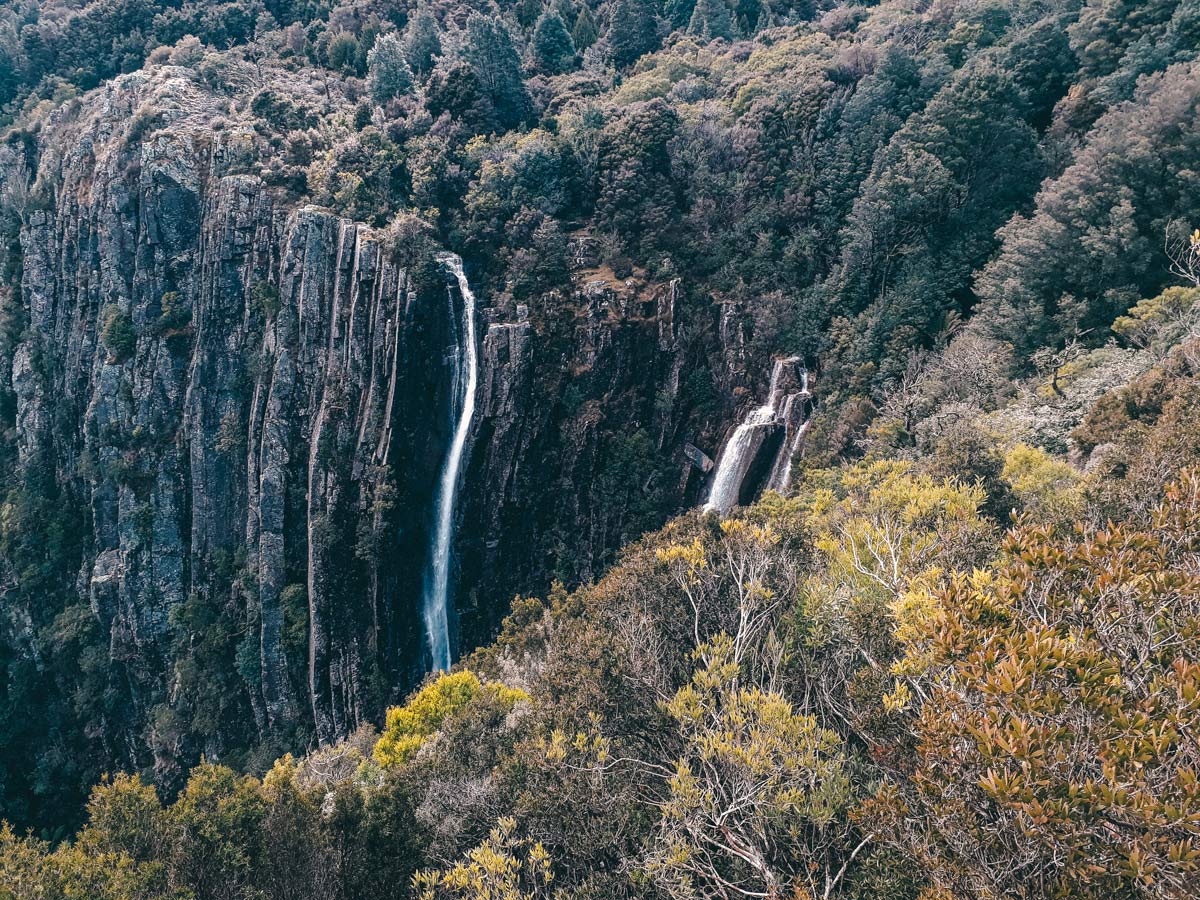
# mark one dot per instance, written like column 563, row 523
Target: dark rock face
column 247, row 398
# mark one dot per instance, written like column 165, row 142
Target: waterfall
column 738, row 454
column 781, row 478
column 781, row 474
column 436, row 607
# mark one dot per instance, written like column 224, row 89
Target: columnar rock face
column 246, row 398
column 217, row 374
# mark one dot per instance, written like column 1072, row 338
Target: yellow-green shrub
column 408, row 727
column 1048, row 488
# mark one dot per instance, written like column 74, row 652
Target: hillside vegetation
column 873, row 689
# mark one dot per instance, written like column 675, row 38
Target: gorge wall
column 239, row 404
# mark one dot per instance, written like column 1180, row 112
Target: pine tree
column 388, row 74
column 585, row 32
column 527, row 12
column 342, row 52
column 421, row 42
column 489, row 51
column 767, row 17
column 631, row 31
column 565, row 8
column 454, row 88
column 745, row 16
column 553, row 50
column 711, row 20
column 679, row 12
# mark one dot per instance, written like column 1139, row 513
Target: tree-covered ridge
column 852, row 173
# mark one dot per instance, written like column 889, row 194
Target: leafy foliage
column 948, row 209
column 388, row 73
column 118, row 334
column 492, row 871
column 1055, row 752
column 753, row 778
column 409, row 726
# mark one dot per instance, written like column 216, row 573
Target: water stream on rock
column 436, row 606
column 781, row 474
column 735, row 459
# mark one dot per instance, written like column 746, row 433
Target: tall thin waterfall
column 437, row 576
column 735, row 459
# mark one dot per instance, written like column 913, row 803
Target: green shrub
column 117, row 334
column 409, row 726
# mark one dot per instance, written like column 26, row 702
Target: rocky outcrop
column 247, row 397
column 215, row 372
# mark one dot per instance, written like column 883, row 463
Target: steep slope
column 241, row 402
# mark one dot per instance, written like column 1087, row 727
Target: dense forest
column 824, row 376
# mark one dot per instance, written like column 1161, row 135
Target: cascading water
column 735, row 459
column 781, row 478
column 437, row 577
column 781, row 474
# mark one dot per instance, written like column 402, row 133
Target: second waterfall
column 465, row 375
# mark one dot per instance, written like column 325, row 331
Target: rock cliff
column 242, row 400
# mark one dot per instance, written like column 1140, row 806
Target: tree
column 297, row 860
column 124, row 816
column 1105, row 30
column 1047, row 488
column 926, row 217
column 566, row 9
column 882, row 530
column 711, row 19
column 1057, row 752
column 1158, row 323
column 410, row 725
column 342, row 52
column 552, row 49
column 388, row 74
column 118, row 334
column 881, row 524
column 455, row 89
column 585, row 31
column 755, row 793
column 1183, row 251
column 503, row 867
column 631, row 32
column 540, row 265
column 30, row 869
column 1092, row 246
column 489, row 51
column 636, row 196
column 679, row 13
column 527, row 12
column 422, row 42
column 767, row 17
column 212, row 833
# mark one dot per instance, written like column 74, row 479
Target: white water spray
column 735, row 459
column 437, row 578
